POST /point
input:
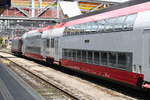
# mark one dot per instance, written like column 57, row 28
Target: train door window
column 112, row 58
column 84, row 56
column 79, row 55
column 96, row 58
column 52, row 43
column 90, row 57
column 104, row 58
column 47, row 43
column 129, row 61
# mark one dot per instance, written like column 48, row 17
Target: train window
column 122, row 59
column 118, row 26
column 47, row 43
column 96, row 57
column 104, row 58
column 109, row 25
column 112, row 58
column 128, row 24
column 121, row 23
column 90, row 57
column 125, row 61
column 36, row 50
column 52, row 43
column 101, row 26
column 79, row 55
column 69, row 54
column 64, row 55
column 74, row 55
column 84, row 56
column 66, row 31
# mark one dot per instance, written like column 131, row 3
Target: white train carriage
column 16, row 46
column 114, row 44
column 32, row 44
column 51, row 48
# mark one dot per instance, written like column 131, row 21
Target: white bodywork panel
column 52, row 34
column 144, row 24
column 32, row 42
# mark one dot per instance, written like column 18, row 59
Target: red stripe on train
column 111, row 73
column 34, row 56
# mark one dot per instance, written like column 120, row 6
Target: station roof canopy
column 117, row 1
column 120, row 1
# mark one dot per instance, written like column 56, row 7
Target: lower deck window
column 97, row 58
column 112, row 58
column 122, row 59
column 118, row 60
column 84, row 56
column 104, row 58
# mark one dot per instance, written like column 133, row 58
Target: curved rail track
column 62, row 92
column 128, row 93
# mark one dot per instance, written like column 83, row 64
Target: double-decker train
column 113, row 43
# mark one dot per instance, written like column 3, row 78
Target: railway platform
column 12, row 87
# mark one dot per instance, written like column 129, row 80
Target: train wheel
column 139, row 82
column 49, row 61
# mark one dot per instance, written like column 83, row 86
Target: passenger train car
column 113, row 43
column 16, row 47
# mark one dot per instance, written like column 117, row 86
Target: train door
column 52, row 51
column 45, row 47
column 56, row 48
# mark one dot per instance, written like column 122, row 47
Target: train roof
column 130, row 7
column 114, row 7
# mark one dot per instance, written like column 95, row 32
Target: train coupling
column 146, row 85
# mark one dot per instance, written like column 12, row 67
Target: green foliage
column 1, row 40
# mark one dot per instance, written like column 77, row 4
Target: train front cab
column 16, row 47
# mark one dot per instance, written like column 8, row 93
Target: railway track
column 112, row 89
column 48, row 90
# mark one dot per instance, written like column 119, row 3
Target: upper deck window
column 117, row 24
